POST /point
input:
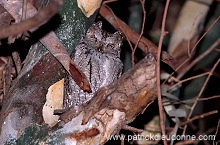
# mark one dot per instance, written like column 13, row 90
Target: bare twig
column 209, row 28
column 17, row 61
column 142, row 31
column 199, row 116
column 189, row 39
column 160, row 105
column 7, row 77
column 188, row 79
column 190, row 100
column 109, row 1
column 208, row 98
column 216, row 132
column 200, row 93
column 40, row 18
column 133, row 129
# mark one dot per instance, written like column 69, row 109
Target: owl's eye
column 111, row 45
column 119, row 44
column 92, row 36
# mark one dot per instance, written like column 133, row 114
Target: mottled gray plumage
column 98, row 56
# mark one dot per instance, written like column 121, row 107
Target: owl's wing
column 112, row 69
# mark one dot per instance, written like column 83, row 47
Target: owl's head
column 103, row 41
column 94, row 33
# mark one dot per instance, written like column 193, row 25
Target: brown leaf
column 79, row 77
column 5, row 18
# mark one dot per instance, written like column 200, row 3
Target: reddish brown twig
column 133, row 129
column 217, row 132
column 191, row 100
column 188, row 79
column 208, row 98
column 160, row 105
column 199, row 116
column 142, row 31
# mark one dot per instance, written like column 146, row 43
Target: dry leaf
column 189, row 23
column 88, row 7
column 54, row 100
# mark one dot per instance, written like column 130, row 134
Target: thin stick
column 188, row 79
column 160, row 105
column 208, row 98
column 142, row 31
column 217, row 132
column 200, row 99
column 133, row 129
column 205, row 34
column 199, row 116
column 190, row 52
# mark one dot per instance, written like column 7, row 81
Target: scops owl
column 98, row 56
